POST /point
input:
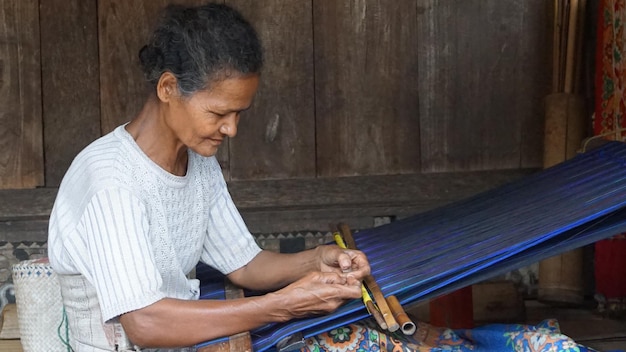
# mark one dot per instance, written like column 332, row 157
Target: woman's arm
column 175, row 323
column 271, row 270
column 315, row 281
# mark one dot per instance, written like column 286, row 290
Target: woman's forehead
column 231, row 92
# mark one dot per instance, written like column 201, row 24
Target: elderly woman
column 141, row 206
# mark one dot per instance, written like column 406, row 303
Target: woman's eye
column 213, row 113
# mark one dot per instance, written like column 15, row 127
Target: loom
column 567, row 206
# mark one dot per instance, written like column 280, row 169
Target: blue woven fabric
column 567, row 206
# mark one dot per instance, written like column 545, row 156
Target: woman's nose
column 229, row 125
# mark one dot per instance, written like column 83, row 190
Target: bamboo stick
column 367, row 299
column 556, row 47
column 570, row 61
column 370, row 282
column 564, row 16
column 378, row 316
column 407, row 326
column 580, row 38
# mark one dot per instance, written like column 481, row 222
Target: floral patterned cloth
column 610, row 90
column 610, row 123
column 364, row 336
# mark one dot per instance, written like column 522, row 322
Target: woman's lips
column 216, row 141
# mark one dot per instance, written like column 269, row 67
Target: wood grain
column 276, row 138
column 24, row 231
column 383, row 189
column 123, row 29
column 32, row 204
column 21, row 141
column 9, row 325
column 293, row 205
column 366, row 91
column 10, row 346
column 70, row 80
column 483, row 75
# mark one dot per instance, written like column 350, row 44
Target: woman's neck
column 156, row 139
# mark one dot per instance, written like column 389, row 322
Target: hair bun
column 150, row 58
column 198, row 44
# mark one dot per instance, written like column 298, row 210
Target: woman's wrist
column 276, row 306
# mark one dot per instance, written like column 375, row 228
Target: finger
column 352, row 281
column 360, row 265
column 331, row 278
column 345, row 261
column 336, row 256
column 352, row 291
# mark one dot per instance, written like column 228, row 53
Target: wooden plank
column 32, row 204
column 266, row 220
column 366, row 91
column 538, row 22
column 292, row 205
column 123, row 28
column 367, row 190
column 24, row 231
column 9, row 325
column 70, row 82
column 482, row 81
column 317, row 218
column 21, row 141
column 36, row 204
column 276, row 137
column 10, row 346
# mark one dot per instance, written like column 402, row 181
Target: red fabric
column 454, row 310
column 609, row 118
column 611, row 267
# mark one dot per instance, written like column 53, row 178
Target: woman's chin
column 206, row 151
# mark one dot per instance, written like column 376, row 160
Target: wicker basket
column 39, row 306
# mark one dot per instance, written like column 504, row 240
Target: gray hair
column 201, row 45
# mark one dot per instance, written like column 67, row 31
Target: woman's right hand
column 316, row 293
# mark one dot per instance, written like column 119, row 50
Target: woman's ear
column 167, row 87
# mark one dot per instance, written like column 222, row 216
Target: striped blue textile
column 567, row 206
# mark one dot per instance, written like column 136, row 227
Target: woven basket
column 39, row 306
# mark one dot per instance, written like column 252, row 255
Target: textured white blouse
column 133, row 232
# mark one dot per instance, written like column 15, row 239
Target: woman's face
column 203, row 120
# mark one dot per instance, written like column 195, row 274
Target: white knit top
column 134, row 231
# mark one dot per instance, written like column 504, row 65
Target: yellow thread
column 364, row 293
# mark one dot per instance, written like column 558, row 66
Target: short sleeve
column 115, row 253
column 228, row 245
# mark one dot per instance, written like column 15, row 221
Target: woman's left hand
column 350, row 262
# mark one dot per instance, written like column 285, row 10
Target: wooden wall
column 350, row 88
column 358, row 88
column 21, row 150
